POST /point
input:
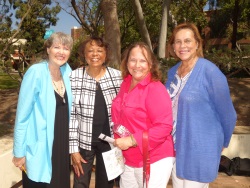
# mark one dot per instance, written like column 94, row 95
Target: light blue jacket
column 34, row 125
column 205, row 121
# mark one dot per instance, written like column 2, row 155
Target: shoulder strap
column 111, row 80
column 146, row 159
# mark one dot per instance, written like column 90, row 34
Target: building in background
column 77, row 33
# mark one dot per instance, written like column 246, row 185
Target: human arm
column 125, row 143
column 73, row 129
column 77, row 161
column 28, row 95
column 19, row 162
column 159, row 116
column 73, row 143
column 75, row 110
column 219, row 95
column 148, row 108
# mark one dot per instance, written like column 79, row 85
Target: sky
column 65, row 23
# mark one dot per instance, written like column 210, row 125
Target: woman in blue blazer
column 41, row 136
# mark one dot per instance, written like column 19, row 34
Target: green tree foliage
column 75, row 61
column 32, row 17
column 42, row 16
column 129, row 31
column 230, row 62
column 5, row 18
column 189, row 11
column 86, row 12
column 5, row 24
column 221, row 22
column 152, row 11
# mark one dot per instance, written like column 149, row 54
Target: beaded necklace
column 60, row 92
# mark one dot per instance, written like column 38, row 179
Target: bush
column 165, row 65
column 6, row 82
column 230, row 62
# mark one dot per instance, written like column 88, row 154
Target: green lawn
column 6, row 82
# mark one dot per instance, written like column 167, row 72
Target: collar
column 145, row 81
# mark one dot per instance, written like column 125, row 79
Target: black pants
column 28, row 183
column 101, row 179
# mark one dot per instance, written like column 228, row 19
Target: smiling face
column 138, row 65
column 95, row 55
column 58, row 54
column 185, row 45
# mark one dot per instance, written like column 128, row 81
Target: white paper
column 114, row 162
column 106, row 138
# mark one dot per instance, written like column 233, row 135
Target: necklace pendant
column 97, row 86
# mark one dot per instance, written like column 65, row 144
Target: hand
column 123, row 143
column 20, row 163
column 77, row 161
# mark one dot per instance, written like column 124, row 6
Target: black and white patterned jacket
column 83, row 91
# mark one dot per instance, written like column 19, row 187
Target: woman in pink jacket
column 143, row 104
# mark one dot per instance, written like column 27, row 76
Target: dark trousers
column 28, row 183
column 101, row 179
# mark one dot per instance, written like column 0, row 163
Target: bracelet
column 134, row 144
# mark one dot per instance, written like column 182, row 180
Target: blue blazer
column 34, row 125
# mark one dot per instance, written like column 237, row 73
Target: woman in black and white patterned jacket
column 94, row 86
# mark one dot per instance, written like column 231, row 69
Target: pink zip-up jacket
column 146, row 107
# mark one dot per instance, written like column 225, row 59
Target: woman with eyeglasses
column 94, row 86
column 203, row 112
column 41, row 134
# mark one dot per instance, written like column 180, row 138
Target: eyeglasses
column 186, row 42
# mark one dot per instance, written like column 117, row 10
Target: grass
column 6, row 82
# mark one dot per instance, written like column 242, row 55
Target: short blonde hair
column 59, row 37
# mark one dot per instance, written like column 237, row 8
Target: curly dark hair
column 99, row 41
column 148, row 54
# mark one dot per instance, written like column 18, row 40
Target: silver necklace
column 60, row 92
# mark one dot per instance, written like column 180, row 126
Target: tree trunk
column 141, row 22
column 163, row 29
column 112, row 31
column 235, row 23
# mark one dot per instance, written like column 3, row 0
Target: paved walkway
column 222, row 181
